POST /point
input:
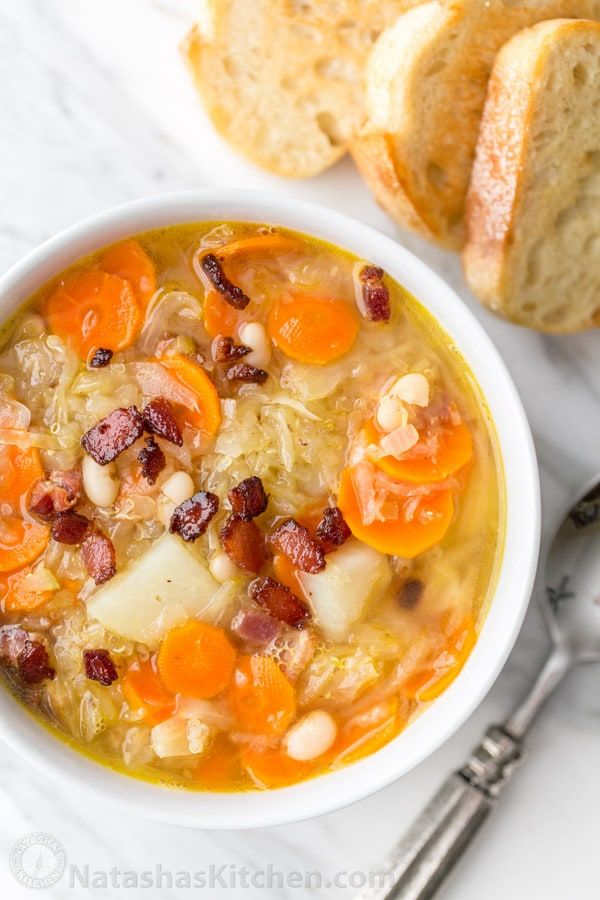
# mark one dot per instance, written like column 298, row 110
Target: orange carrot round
column 221, row 769
column 367, row 732
column 257, row 244
column 196, row 660
column 422, row 523
column 130, row 262
column 261, row 698
column 206, row 416
column 314, row 330
column 21, row 542
column 15, row 595
column 433, row 680
column 19, row 470
column 93, row 309
column 144, row 691
column 454, row 450
column 271, row 768
column 220, row 317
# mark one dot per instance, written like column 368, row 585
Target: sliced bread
column 533, row 212
column 282, row 80
column 426, row 88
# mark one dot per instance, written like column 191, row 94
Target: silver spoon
column 420, row 863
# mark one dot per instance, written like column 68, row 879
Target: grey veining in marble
column 96, row 108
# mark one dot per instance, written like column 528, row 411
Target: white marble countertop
column 96, row 108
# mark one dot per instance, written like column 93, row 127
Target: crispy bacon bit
column 410, row 593
column 248, row 499
column 294, row 541
column 12, row 642
column 99, row 557
column 279, row 601
column 113, row 434
column 332, row 530
column 376, row 296
column 213, row 269
column 99, row 666
column 70, row 527
column 247, row 374
column 33, row 663
column 152, row 459
column 191, row 518
column 159, row 419
column 59, row 491
column 226, row 350
column 255, row 626
column 243, row 543
column 101, row 358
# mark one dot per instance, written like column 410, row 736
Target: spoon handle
column 420, row 863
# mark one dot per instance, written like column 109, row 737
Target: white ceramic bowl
column 33, row 743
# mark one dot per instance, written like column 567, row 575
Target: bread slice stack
column 282, row 80
column 476, row 124
column 533, row 213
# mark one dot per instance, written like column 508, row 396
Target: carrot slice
column 207, row 414
column 221, row 769
column 261, row 698
column 94, row 309
column 432, row 681
column 21, row 542
column 454, row 450
column 423, row 521
column 367, row 732
column 311, row 329
column 130, row 262
column 258, row 243
column 15, row 596
column 19, row 470
column 144, row 691
column 196, row 659
column 220, row 317
column 273, row 768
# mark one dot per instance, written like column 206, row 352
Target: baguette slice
column 426, row 87
column 282, row 80
column 533, row 249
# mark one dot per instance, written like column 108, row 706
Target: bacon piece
column 332, row 530
column 101, row 358
column 191, row 518
column 248, row 499
column 33, row 663
column 294, row 541
column 247, row 374
column 226, row 350
column 152, row 459
column 279, row 601
column 213, row 270
column 99, row 557
column 255, row 626
column 99, row 666
column 376, row 296
column 159, row 419
column 70, row 527
column 12, row 642
column 59, row 491
column 410, row 593
column 243, row 543
column 113, row 434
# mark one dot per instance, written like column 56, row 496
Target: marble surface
column 95, row 109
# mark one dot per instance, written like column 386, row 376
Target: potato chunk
column 340, row 594
column 161, row 589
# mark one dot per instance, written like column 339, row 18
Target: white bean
column 391, row 413
column 99, row 482
column 412, row 388
column 311, row 736
column 253, row 335
column 222, row 568
column 177, row 488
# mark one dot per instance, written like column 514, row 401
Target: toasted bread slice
column 533, row 212
column 282, row 80
column 426, row 87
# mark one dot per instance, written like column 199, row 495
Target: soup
column 251, row 507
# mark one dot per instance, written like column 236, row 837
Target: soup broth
column 251, row 507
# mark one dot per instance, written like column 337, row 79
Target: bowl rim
column 30, row 740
